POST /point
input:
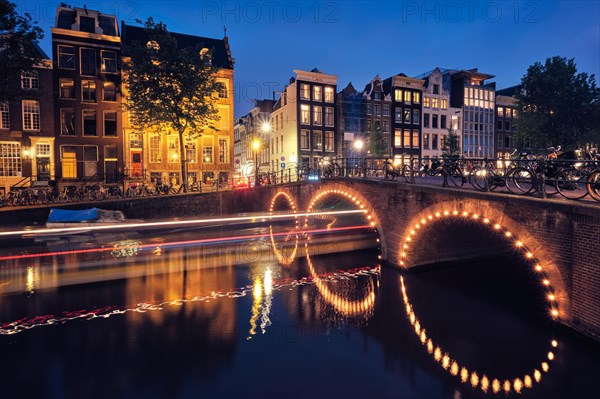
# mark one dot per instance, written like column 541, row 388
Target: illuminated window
column 444, row 104
column 407, row 114
column 67, row 122
column 88, row 91
column 108, row 61
column 31, row 115
column 10, row 159
column 223, row 90
column 501, row 111
column 68, row 159
column 88, row 61
column 207, row 150
column 109, row 91
column 329, row 143
column 317, row 93
column 89, row 122
column 329, row 96
column 66, row 57
column 406, row 138
column 305, row 114
column 328, row 116
column 398, row 95
column 415, row 139
column 398, row 138
column 4, row 115
column 317, row 140
column 435, row 102
column 416, row 97
column 223, row 151
column 304, row 91
column 155, row 149
column 173, row 149
column 426, row 102
column 30, row 80
column 304, row 140
column 407, row 96
column 66, row 89
column 42, row 150
column 386, row 127
column 317, row 115
column 135, row 140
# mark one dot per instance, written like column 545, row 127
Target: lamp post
column 256, row 148
column 358, row 145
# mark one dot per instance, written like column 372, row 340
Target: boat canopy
column 66, row 215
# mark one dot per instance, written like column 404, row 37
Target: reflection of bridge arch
column 285, row 260
column 506, row 229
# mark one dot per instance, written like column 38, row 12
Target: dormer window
column 87, row 24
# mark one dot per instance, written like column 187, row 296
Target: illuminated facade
column 255, row 125
column 476, row 99
column 378, row 112
column 86, row 50
column 304, row 120
column 350, row 120
column 506, row 118
column 438, row 115
column 151, row 156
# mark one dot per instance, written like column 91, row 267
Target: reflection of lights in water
column 105, row 312
column 452, row 366
column 265, row 321
column 125, row 248
column 30, row 282
column 281, row 258
column 256, row 305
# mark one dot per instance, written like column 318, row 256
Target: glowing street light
column 266, row 127
column 358, row 144
column 256, row 148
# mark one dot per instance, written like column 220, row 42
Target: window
column 110, row 123
column 304, row 142
column 109, row 61
column 328, row 116
column 67, row 122
column 317, row 115
column 89, row 122
column 30, row 80
column 406, row 138
column 304, row 91
column 435, row 102
column 66, row 57
column 329, row 94
column 66, row 89
column 10, row 159
column 434, row 142
column 109, row 92
column 155, row 149
column 398, row 95
column 88, row 61
column 4, row 115
column 317, row 93
column 407, row 96
column 282, row 143
column 223, row 90
column 416, row 117
column 443, row 122
column 377, row 110
column 31, row 115
column 499, row 124
column 329, row 141
column 501, row 111
column 376, row 95
column 407, row 114
column 425, row 120
column 426, row 141
column 416, row 97
column 398, row 115
column 398, row 138
column 110, row 153
column 223, row 151
column 88, row 91
column 90, row 160
column 87, row 24
column 305, row 114
column 426, row 102
column 508, row 112
column 436, row 89
column 317, row 140
column 415, row 139
column 172, row 149
column 68, row 157
column 386, row 110
column 42, row 150
column 207, row 150
column 444, row 104
column 507, row 125
column 434, row 121
column 386, row 127
column 135, row 140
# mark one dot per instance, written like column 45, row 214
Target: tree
column 451, row 145
column 557, row 105
column 18, row 47
column 171, row 89
column 377, row 146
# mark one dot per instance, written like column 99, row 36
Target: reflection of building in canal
column 186, row 274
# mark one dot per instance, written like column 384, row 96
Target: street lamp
column 358, row 145
column 256, row 148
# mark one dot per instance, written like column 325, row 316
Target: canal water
column 141, row 319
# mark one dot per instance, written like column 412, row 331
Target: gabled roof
column 509, row 91
column 221, row 54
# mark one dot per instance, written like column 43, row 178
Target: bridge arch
column 505, row 229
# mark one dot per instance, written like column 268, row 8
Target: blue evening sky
column 357, row 40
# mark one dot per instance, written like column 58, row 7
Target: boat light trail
column 172, row 223
column 180, row 243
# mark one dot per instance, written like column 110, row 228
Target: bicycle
column 331, row 167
